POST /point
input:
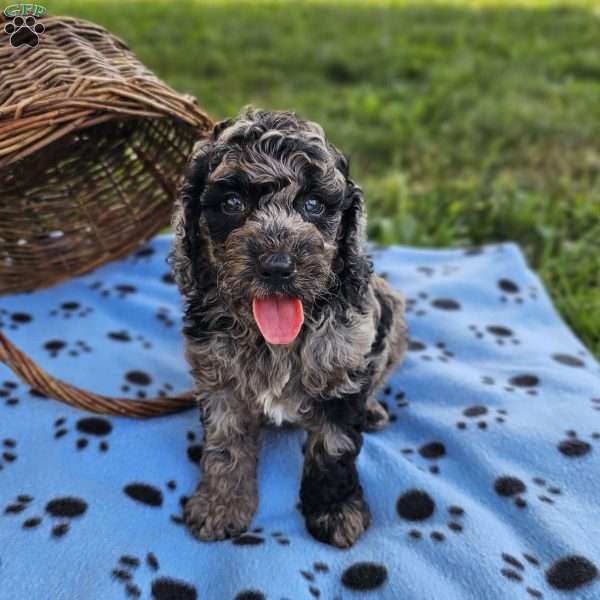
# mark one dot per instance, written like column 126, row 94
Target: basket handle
column 26, row 369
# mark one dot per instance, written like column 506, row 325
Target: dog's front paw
column 211, row 516
column 340, row 524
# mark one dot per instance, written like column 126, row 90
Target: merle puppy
column 284, row 319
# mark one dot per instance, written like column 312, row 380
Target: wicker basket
column 91, row 148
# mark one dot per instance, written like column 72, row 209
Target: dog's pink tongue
column 279, row 319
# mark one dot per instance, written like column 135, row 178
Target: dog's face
column 269, row 216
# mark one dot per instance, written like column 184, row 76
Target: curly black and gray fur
column 266, row 184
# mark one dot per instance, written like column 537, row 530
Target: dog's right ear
column 190, row 255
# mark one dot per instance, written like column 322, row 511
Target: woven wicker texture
column 91, row 144
column 91, row 147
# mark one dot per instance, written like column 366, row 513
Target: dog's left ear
column 353, row 266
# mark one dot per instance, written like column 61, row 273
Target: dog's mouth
column 279, row 318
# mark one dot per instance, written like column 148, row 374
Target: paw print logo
column 24, row 31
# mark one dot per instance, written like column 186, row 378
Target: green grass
column 465, row 123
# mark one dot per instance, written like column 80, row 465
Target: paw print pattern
column 437, row 352
column 194, row 450
column 441, row 271
column 140, row 381
column 522, row 382
column 414, row 304
column 358, row 577
column 510, row 487
column 311, row 576
column 9, row 453
column 70, row 309
column 163, row 315
column 257, row 536
column 57, row 347
column 481, row 415
column 98, row 427
column 574, row 447
column 8, row 391
column 168, row 278
column 551, row 490
column 143, row 255
column 61, row 511
column 499, row 333
column 431, row 452
column 120, row 290
column 417, row 506
column 24, row 31
column 567, row 573
column 161, row 588
column 149, row 495
column 510, row 291
column 570, row 360
column 14, row 320
column 123, row 336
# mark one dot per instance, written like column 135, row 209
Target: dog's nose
column 276, row 267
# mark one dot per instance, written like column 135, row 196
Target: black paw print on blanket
column 432, row 452
column 358, row 577
column 70, row 309
column 150, row 496
column 56, row 347
column 141, row 382
column 61, row 511
column 14, row 320
column 417, row 506
column 482, row 416
column 575, row 447
column 24, row 31
column 513, row 488
column 9, row 453
column 96, row 427
column 8, row 391
column 568, row 573
column 512, row 292
column 161, row 588
column 257, row 537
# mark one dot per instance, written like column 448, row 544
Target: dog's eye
column 313, row 207
column 233, row 205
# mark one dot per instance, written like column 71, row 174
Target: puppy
column 284, row 319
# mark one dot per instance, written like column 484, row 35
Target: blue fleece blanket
column 485, row 485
